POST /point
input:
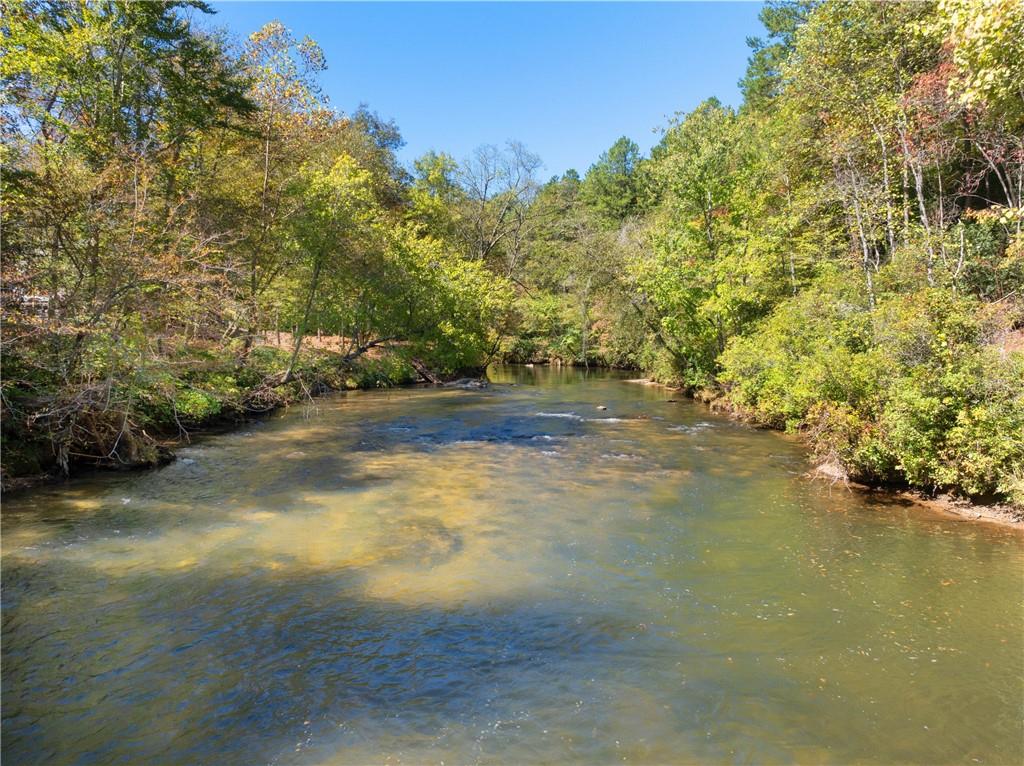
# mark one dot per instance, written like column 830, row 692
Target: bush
column 195, row 406
column 907, row 393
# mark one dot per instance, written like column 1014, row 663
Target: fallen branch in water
column 424, row 372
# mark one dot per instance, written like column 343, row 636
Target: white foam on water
column 568, row 415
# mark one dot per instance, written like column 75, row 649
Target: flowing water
column 504, row 576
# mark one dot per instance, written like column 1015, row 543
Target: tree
column 110, row 102
column 988, row 51
column 763, row 81
column 435, row 196
column 611, row 185
column 338, row 205
column 260, row 169
column 499, row 186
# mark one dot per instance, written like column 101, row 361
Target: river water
column 503, row 576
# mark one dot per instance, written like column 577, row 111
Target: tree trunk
column 918, row 174
column 865, row 250
column 289, row 373
column 890, row 234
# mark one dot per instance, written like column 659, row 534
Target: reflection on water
column 505, row 576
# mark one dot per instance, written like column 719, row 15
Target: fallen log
column 424, row 372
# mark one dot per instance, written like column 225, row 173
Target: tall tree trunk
column 942, row 213
column 709, row 223
column 918, row 174
column 890, row 234
column 906, row 203
column 289, row 373
column 260, row 244
column 862, row 236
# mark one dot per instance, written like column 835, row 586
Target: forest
column 192, row 234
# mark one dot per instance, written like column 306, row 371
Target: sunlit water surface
column 503, row 576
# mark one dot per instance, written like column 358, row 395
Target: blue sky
column 566, row 79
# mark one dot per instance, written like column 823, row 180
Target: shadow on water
column 249, row 665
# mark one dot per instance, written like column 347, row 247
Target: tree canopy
column 193, row 231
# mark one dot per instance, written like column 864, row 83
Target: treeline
column 174, row 200
column 841, row 256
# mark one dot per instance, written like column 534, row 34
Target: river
column 511, row 576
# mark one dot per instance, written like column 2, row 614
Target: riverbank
column 1001, row 514
column 321, row 372
column 226, row 398
column 136, row 424
column 1004, row 514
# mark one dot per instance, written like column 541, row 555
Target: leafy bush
column 195, row 405
column 909, row 392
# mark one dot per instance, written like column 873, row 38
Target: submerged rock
column 468, row 383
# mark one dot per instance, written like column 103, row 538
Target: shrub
column 908, row 392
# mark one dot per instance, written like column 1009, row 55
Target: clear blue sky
column 566, row 79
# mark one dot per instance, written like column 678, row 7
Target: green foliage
column 196, row 406
column 392, row 370
column 611, row 186
column 125, row 73
column 174, row 202
column 547, row 331
column 988, row 50
column 435, row 195
column 840, row 257
column 907, row 392
column 762, row 83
